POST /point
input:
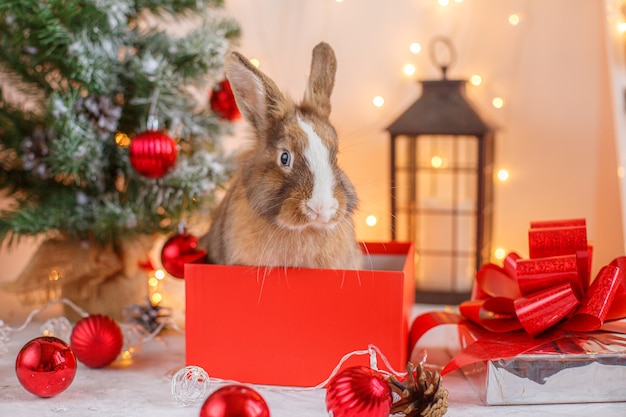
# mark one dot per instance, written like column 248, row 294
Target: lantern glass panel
column 434, row 273
column 466, row 270
column 404, row 146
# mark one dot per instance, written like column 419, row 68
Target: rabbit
column 289, row 204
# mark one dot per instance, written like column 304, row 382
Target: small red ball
column 96, row 340
column 223, row 101
column 358, row 391
column 152, row 153
column 179, row 250
column 45, row 366
column 235, row 401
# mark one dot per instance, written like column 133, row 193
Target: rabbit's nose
column 322, row 212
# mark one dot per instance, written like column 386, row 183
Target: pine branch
column 80, row 70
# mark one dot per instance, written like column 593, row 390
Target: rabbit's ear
column 321, row 80
column 256, row 95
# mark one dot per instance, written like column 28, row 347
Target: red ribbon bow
column 549, row 289
column 530, row 302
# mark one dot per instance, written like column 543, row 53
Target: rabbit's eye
column 285, row 159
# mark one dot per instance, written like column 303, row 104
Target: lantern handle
column 443, row 65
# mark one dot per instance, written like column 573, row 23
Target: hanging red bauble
column 358, row 391
column 223, row 101
column 235, row 401
column 152, row 153
column 179, row 250
column 45, row 366
column 97, row 340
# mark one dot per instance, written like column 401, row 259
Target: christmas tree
column 80, row 81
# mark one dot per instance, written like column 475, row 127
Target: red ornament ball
column 358, row 392
column 152, row 153
column 45, row 366
column 235, row 401
column 96, row 340
column 179, row 250
column 223, row 101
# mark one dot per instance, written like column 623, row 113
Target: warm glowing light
column 153, row 282
column 371, row 220
column 409, row 69
column 415, row 48
column 498, row 103
column 503, row 175
column 156, row 298
column 339, row 1
column 54, row 275
column 499, row 253
column 459, row 1
column 255, row 62
column 444, row 2
column 127, row 354
column 620, row 172
column 476, row 80
column 436, row 161
column 621, row 26
column 122, row 140
column 514, row 20
column 159, row 274
column 378, row 101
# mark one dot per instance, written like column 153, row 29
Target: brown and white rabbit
column 289, row 204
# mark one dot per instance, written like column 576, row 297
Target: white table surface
column 143, row 389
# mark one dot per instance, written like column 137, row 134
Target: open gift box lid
column 292, row 326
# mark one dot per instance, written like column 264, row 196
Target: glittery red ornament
column 152, row 153
column 235, row 401
column 223, row 101
column 96, row 340
column 45, row 366
column 358, row 391
column 179, row 250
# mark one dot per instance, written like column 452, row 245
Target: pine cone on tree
column 421, row 395
column 102, row 111
column 36, row 148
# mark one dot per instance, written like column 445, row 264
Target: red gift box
column 290, row 326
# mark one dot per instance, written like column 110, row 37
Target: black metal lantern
column 442, row 163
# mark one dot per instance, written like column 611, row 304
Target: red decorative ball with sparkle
column 45, row 366
column 96, row 340
column 358, row 392
column 152, row 153
column 223, row 101
column 235, row 401
column 179, row 250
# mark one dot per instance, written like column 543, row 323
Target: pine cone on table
column 421, row 395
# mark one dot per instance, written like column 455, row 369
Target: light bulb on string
column 503, row 175
column 497, row 102
column 476, row 80
column 514, row 19
column 415, row 48
column 409, row 69
column 499, row 253
column 371, row 220
column 378, row 101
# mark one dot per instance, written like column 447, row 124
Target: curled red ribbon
column 529, row 302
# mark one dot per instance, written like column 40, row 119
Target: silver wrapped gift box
column 596, row 372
